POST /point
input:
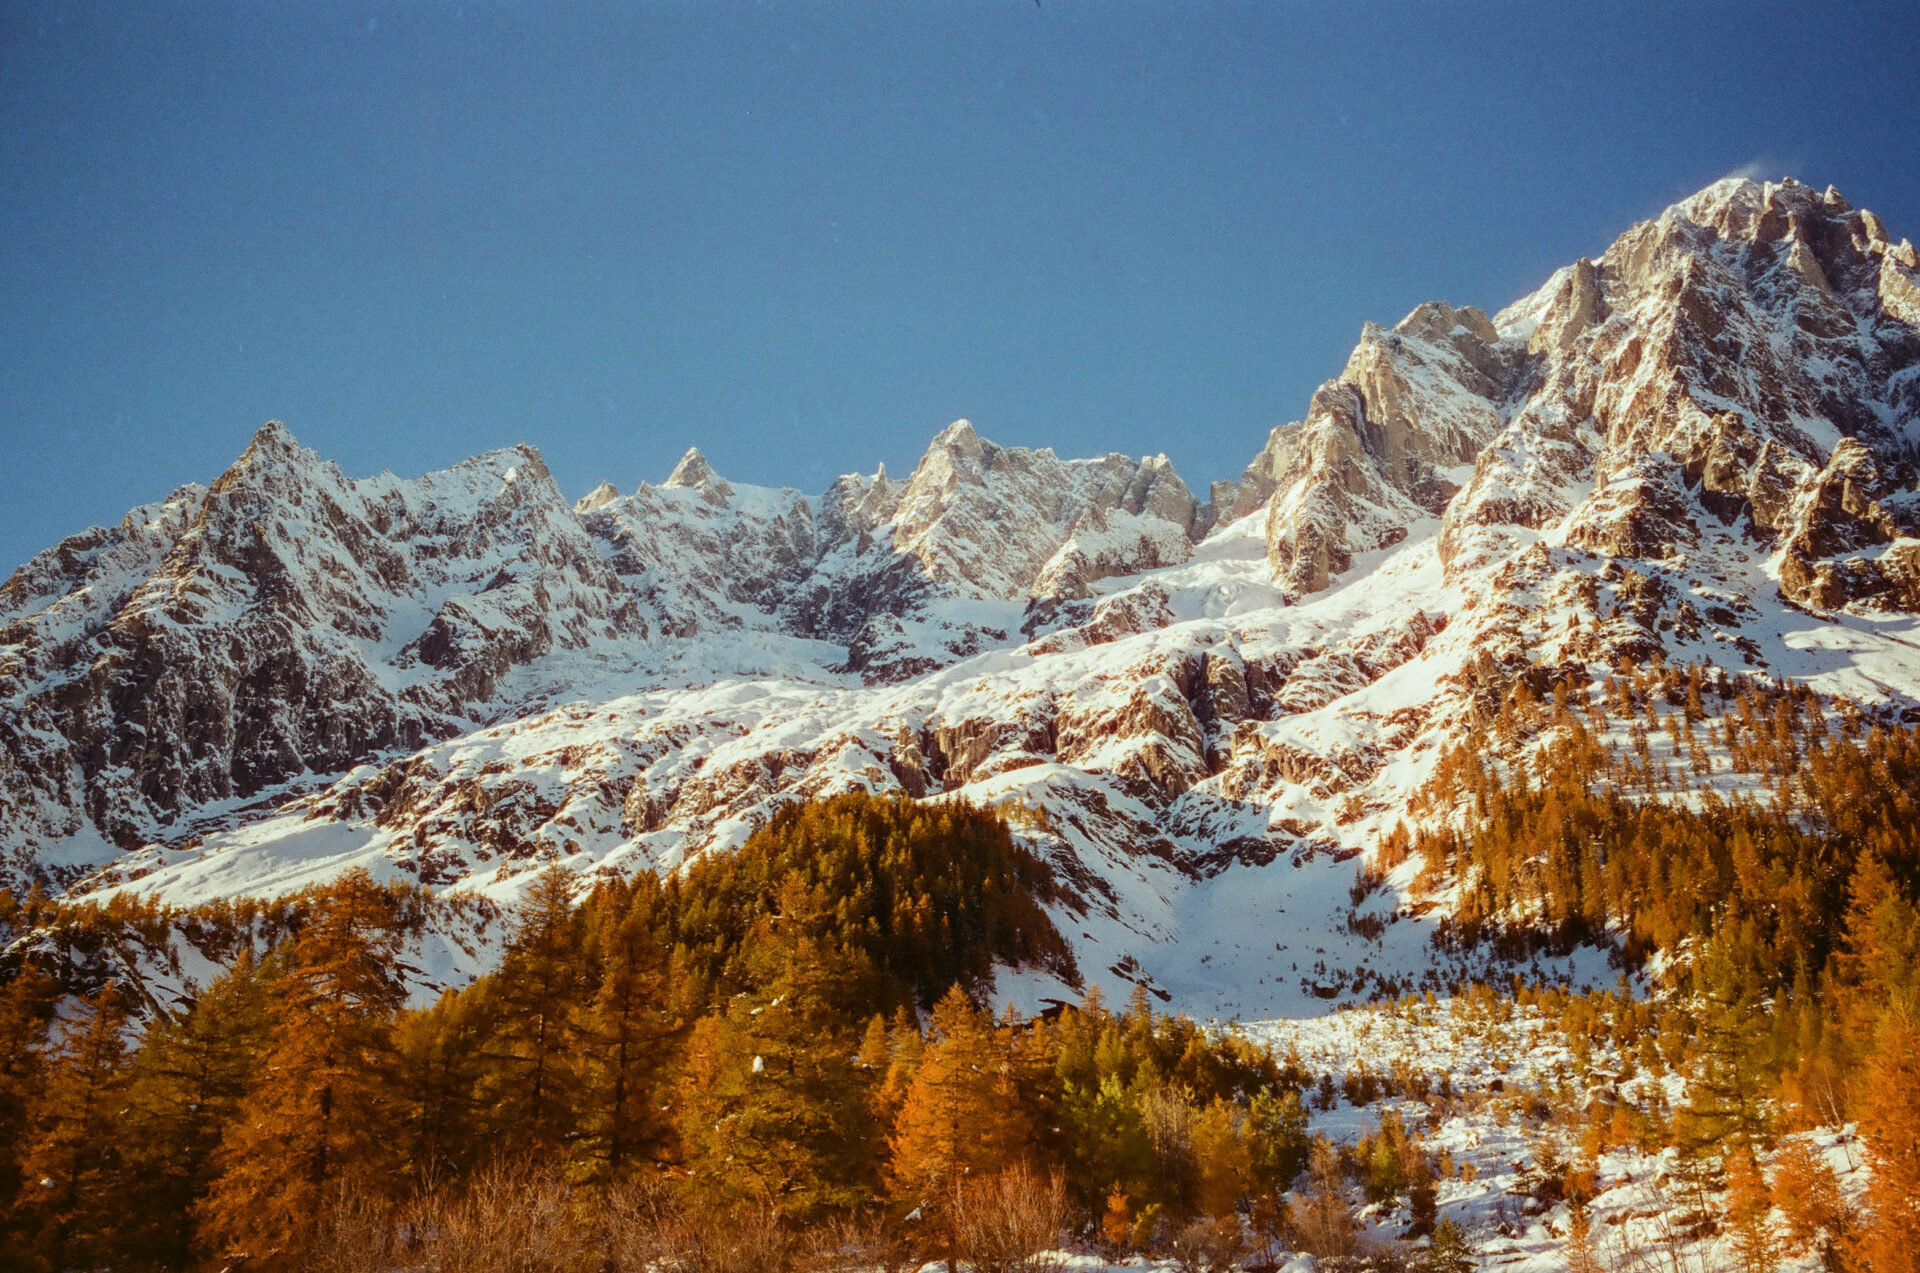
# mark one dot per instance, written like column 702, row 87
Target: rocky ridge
column 1699, row 445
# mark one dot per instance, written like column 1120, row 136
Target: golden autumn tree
column 529, row 1083
column 436, row 1071
column 626, row 1034
column 1890, row 1241
column 964, row 1113
column 905, row 1048
column 1749, row 1215
column 320, row 1110
column 1223, row 1161
column 1582, row 1251
column 1807, row 1192
column 76, row 1161
column 188, row 1079
column 26, row 1008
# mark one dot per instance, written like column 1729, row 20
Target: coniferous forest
column 784, row 1057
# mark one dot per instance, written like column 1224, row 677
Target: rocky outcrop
column 1385, row 445
column 991, row 522
column 1747, row 333
column 701, row 552
column 1641, row 511
column 885, row 568
column 1853, row 533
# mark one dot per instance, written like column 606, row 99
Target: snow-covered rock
column 284, row 622
column 1699, row 445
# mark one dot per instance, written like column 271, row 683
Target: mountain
column 1701, row 446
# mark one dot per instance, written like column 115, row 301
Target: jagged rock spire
column 692, row 472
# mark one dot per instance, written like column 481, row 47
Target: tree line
column 788, row 1040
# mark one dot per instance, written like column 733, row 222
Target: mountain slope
column 1699, row 446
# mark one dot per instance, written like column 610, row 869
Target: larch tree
column 1750, row 1216
column 1223, row 1162
column 1890, row 1241
column 188, row 1080
column 1322, row 1221
column 964, row 1113
column 1807, row 1191
column 26, row 1009
column 626, row 1032
column 437, row 1060
column 75, row 1163
column 529, row 1084
column 320, row 1109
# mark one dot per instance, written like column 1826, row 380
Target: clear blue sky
column 805, row 237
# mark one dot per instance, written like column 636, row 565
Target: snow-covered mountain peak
column 599, row 497
column 962, row 442
column 694, row 473
column 273, row 438
column 1722, row 201
column 1697, row 445
column 1741, row 208
column 273, row 462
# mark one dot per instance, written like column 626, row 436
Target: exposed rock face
column 284, row 620
column 1385, row 445
column 289, row 620
column 997, row 523
column 1699, row 445
column 1746, row 333
column 704, row 554
column 1757, row 335
column 1106, row 543
column 877, row 566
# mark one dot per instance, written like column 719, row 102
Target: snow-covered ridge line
column 1699, row 445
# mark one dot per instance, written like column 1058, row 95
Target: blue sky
column 804, row 237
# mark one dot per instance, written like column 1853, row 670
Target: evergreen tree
column 1107, row 1146
column 1277, row 1137
column 1727, row 1108
column 1450, row 1252
column 775, row 1111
